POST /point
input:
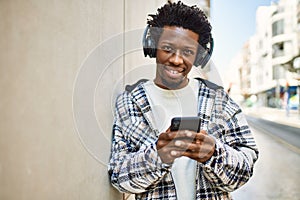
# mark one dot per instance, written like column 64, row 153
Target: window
column 278, row 27
column 278, row 49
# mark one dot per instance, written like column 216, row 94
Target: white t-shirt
column 167, row 104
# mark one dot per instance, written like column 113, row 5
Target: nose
column 176, row 58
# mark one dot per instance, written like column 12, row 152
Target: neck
column 174, row 86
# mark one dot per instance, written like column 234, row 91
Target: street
column 277, row 172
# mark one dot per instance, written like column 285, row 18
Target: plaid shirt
column 135, row 166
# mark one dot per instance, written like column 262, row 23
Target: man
column 153, row 162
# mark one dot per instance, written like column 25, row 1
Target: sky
column 233, row 23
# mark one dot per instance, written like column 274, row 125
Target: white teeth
column 174, row 72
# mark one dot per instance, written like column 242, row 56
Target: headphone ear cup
column 203, row 59
column 200, row 58
column 149, row 46
column 203, row 56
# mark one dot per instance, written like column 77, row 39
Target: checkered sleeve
column 231, row 166
column 134, row 166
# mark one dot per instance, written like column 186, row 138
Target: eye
column 188, row 52
column 167, row 48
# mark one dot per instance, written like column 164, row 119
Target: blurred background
column 62, row 63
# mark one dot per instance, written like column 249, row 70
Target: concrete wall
column 58, row 78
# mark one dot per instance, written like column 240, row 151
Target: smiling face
column 176, row 53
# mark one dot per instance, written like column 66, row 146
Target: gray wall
column 57, row 87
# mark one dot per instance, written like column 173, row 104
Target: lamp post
column 296, row 65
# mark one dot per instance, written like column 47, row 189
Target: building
column 267, row 70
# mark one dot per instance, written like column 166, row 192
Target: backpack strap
column 209, row 84
column 129, row 88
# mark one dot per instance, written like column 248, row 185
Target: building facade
column 268, row 72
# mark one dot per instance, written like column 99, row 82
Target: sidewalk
column 275, row 115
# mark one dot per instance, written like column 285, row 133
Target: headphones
column 149, row 47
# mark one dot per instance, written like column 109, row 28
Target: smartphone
column 186, row 123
